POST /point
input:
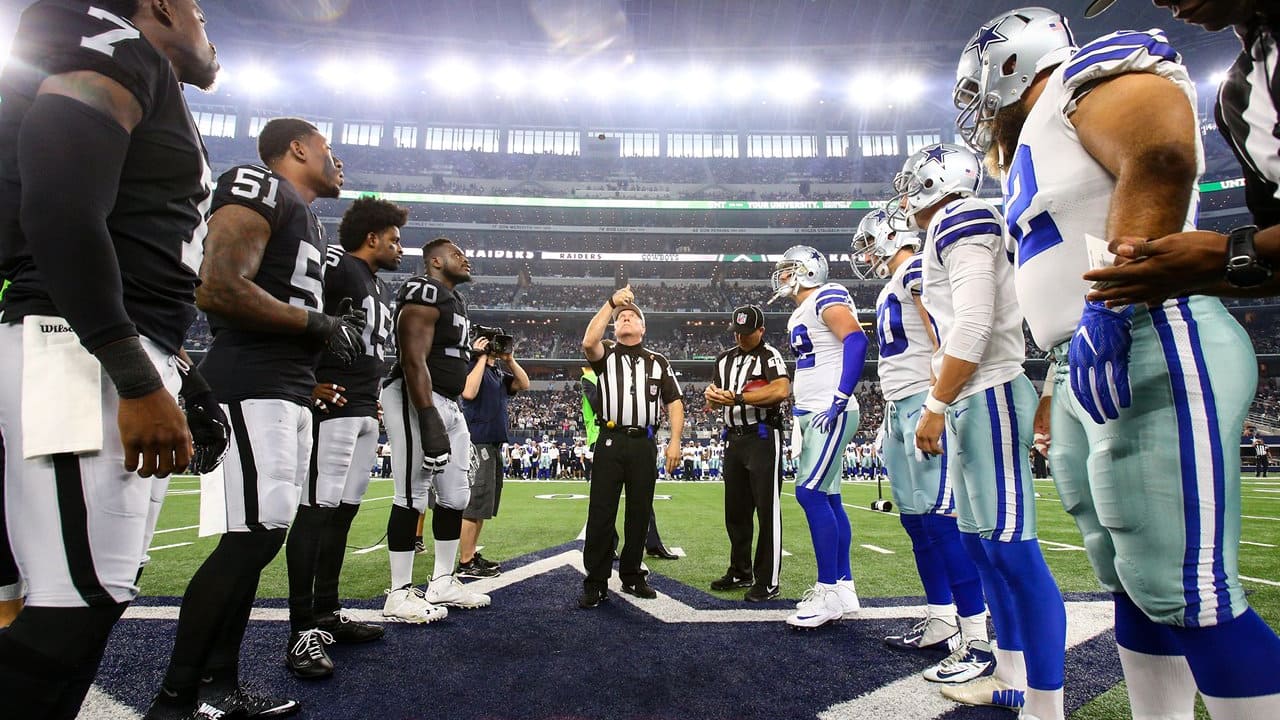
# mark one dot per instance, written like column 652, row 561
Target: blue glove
column 825, row 420
column 1099, row 361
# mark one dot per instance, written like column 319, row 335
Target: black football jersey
column 450, row 355
column 243, row 364
column 157, row 224
column 346, row 276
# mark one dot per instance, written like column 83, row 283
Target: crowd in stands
column 1266, row 403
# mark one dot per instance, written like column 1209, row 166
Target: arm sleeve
column 64, row 212
column 973, row 291
column 853, row 359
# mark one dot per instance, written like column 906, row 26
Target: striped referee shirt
column 635, row 384
column 735, row 368
column 1247, row 116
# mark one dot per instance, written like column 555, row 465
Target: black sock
column 49, row 657
column 302, row 552
column 446, row 523
column 333, row 549
column 402, row 525
column 216, row 595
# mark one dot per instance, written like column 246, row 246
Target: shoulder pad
column 423, row 290
column 913, row 275
column 968, row 219
column 333, row 255
column 254, row 187
column 1119, row 53
column 832, row 294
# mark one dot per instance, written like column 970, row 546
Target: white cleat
column 448, row 590
column 409, row 605
column 848, row 594
column 987, row 690
column 819, row 606
column 970, row 661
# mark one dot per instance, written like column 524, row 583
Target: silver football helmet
column 929, row 175
column 875, row 242
column 998, row 65
column 800, row 267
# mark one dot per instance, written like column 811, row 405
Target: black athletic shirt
column 1248, row 118
column 157, row 224
column 243, row 364
column 346, row 276
column 450, row 355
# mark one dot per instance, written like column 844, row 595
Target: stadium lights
column 739, row 86
column 867, row 90
column 601, row 84
column 375, row 78
column 1218, row 78
column 254, row 79
column 696, row 85
column 509, row 81
column 454, row 76
column 552, row 83
column 793, row 84
column 646, row 84
column 907, row 87
column 336, row 75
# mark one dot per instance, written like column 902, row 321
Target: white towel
column 796, row 439
column 213, row 502
column 61, row 390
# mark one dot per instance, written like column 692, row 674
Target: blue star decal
column 937, row 153
column 988, row 35
column 815, row 255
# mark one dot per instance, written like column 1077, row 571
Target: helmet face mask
column 875, row 243
column 800, row 267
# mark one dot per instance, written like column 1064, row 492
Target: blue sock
column 1139, row 633
column 844, row 538
column 965, row 585
column 822, row 528
column 1005, row 621
column 1037, row 603
column 1235, row 659
column 933, row 573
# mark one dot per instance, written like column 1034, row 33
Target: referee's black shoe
column 306, row 656
column 662, row 553
column 592, row 597
column 346, row 631
column 640, row 589
column 760, row 593
column 729, row 581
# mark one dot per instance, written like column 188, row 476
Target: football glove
column 435, row 440
column 825, row 420
column 1099, row 361
column 341, row 333
column 206, row 421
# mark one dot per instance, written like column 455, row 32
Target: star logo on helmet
column 815, row 255
column 937, row 154
column 988, row 35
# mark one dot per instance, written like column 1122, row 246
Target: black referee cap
column 747, row 319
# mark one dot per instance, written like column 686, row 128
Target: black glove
column 435, row 441
column 341, row 333
column 205, row 419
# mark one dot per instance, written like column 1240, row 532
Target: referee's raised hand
column 623, row 296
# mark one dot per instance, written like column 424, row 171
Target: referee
column 634, row 385
column 752, row 460
column 1241, row 263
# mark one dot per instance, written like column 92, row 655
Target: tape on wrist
column 934, row 405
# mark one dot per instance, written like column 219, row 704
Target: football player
column 907, row 340
column 830, row 350
column 261, row 287
column 1161, row 528
column 985, row 404
column 105, row 185
column 345, row 436
column 428, row 432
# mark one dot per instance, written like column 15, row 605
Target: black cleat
column 346, row 631
column 729, row 581
column 483, row 561
column 662, row 553
column 306, row 655
column 592, row 597
column 245, row 702
column 760, row 593
column 640, row 589
column 474, row 569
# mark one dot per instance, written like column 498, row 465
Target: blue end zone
column 533, row 654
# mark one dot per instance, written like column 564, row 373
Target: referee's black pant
column 621, row 461
column 1261, row 466
column 752, row 484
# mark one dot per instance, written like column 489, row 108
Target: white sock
column 401, row 568
column 974, row 627
column 446, row 553
column 1011, row 667
column 1044, row 704
column 944, row 612
column 1262, row 707
column 1160, row 686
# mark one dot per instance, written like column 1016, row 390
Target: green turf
column 693, row 520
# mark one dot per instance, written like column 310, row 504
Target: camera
column 500, row 343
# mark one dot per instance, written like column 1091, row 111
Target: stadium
column 571, row 148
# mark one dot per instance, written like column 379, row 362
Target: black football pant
column 621, row 462
column 1261, row 466
column 752, row 484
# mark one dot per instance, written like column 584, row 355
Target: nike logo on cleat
column 1008, row 698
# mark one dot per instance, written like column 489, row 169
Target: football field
column 539, row 519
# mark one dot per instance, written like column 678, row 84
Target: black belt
column 761, row 429
column 628, row 430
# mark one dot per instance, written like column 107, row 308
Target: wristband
column 739, row 399
column 319, row 325
column 612, row 304
column 934, row 405
column 1046, row 390
column 130, row 370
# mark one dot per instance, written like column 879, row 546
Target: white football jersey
column 904, row 343
column 1055, row 193
column 819, row 353
column 970, row 221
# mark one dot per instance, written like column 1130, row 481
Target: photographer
column 494, row 377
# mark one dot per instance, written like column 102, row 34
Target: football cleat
column 483, row 561
column 928, row 634
column 447, row 590
column 306, row 656
column 848, row 594
column 988, row 690
column 409, row 604
column 819, row 606
column 970, row 661
column 346, row 631
column 246, row 702
column 474, row 569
